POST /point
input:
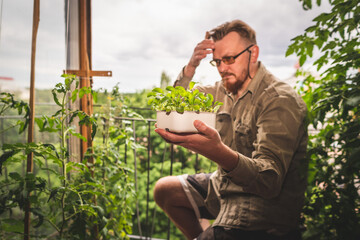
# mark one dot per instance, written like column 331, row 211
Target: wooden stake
column 29, row 167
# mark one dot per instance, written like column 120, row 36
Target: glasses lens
column 213, row 63
column 228, row 60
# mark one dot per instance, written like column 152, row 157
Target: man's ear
column 254, row 53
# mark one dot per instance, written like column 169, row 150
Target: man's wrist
column 189, row 71
column 229, row 158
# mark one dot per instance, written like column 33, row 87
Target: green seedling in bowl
column 180, row 100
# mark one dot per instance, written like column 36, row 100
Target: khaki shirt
column 266, row 126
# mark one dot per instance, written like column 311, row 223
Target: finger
column 170, row 137
column 200, row 55
column 204, row 129
column 205, row 44
column 204, row 52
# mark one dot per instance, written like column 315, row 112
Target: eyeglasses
column 228, row 60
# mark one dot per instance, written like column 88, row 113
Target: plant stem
column 4, row 130
column 53, row 224
column 62, row 147
column 4, row 108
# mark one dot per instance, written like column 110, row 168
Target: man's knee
column 168, row 190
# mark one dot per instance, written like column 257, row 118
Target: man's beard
column 234, row 87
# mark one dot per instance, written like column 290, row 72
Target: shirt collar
column 255, row 82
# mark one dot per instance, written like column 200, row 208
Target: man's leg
column 170, row 196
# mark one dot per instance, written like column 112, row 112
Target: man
column 259, row 145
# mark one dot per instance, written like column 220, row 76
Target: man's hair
column 244, row 30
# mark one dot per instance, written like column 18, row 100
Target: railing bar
column 136, row 183
column 140, row 237
column 16, row 117
column 148, row 179
column 196, row 163
column 125, row 145
column 135, row 119
column 2, row 143
column 171, row 170
column 172, row 159
column 117, row 118
column 161, row 174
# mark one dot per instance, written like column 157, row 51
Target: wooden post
column 85, row 72
column 29, row 166
column 85, row 42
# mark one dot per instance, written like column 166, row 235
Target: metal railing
column 150, row 217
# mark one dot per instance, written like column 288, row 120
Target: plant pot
column 183, row 122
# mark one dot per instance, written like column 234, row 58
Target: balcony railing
column 150, row 220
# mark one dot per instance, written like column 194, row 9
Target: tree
column 165, row 80
column 332, row 208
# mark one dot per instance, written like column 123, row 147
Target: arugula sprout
column 180, row 100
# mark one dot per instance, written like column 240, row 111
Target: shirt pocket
column 224, row 127
column 243, row 139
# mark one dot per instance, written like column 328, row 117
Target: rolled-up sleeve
column 182, row 80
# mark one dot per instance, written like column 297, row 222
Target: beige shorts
column 199, row 191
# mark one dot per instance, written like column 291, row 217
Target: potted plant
column 178, row 108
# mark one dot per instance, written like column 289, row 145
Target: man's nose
column 222, row 67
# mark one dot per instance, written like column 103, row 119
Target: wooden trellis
column 85, row 73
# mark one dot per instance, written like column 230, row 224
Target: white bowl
column 183, row 123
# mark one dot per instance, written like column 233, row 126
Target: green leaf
column 12, row 225
column 38, row 212
column 78, row 135
column 302, row 60
column 191, row 85
column 159, row 90
column 16, row 176
column 5, row 156
column 170, row 88
column 82, row 93
column 322, row 17
column 289, row 51
column 53, row 193
column 56, row 98
column 52, row 147
column 151, row 94
column 93, row 130
column 40, row 123
column 74, row 95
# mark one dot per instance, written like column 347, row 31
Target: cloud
column 138, row 39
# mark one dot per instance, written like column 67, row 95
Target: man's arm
column 201, row 50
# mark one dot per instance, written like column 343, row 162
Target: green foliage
column 184, row 162
column 179, row 99
column 86, row 200
column 8, row 102
column 332, row 199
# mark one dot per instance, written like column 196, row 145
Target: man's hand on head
column 201, row 50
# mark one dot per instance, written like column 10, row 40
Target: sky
column 139, row 39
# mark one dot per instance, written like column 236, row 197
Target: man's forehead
column 226, row 49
